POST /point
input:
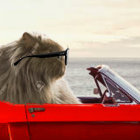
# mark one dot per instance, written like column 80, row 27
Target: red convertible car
column 115, row 115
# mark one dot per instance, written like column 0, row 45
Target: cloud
column 77, row 23
column 128, row 42
column 129, row 47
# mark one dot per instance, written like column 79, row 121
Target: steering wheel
column 106, row 99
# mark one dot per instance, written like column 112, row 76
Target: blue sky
column 91, row 28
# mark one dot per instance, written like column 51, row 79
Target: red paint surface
column 84, row 112
column 4, row 135
column 12, row 113
column 70, row 122
column 85, row 122
column 84, row 131
column 13, row 122
column 18, row 131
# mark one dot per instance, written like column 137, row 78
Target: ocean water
column 82, row 83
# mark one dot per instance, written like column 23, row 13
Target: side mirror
column 95, row 91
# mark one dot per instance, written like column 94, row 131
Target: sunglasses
column 48, row 55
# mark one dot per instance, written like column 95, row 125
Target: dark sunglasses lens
column 66, row 56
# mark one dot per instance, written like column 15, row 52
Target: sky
column 90, row 28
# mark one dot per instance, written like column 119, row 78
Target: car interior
column 108, row 93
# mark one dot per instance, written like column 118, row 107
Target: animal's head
column 45, row 68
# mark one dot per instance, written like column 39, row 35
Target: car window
column 118, row 95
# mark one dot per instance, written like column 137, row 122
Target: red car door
column 83, row 122
column 13, row 122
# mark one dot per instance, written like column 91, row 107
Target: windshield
column 121, row 82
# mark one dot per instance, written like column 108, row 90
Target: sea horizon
column 81, row 82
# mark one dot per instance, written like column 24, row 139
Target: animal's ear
column 26, row 36
column 28, row 40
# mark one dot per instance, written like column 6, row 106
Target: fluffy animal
column 33, row 80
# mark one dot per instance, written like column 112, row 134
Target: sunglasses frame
column 48, row 55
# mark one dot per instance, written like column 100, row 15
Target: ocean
column 82, row 83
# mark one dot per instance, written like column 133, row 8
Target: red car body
column 94, row 119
